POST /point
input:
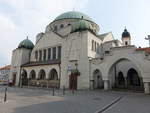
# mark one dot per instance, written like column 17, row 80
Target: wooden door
column 73, row 82
column 14, row 79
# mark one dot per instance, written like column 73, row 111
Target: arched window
column 61, row 26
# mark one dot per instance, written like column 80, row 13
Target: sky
column 22, row 18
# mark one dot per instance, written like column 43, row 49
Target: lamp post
column 148, row 39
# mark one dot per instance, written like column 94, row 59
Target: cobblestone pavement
column 35, row 100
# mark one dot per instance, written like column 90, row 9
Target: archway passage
column 42, row 75
column 53, row 79
column 24, row 78
column 97, row 79
column 124, row 74
column 53, row 75
column 32, row 75
column 133, row 80
column 120, row 80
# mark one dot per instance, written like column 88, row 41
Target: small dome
column 82, row 25
column 125, row 33
column 73, row 15
column 26, row 44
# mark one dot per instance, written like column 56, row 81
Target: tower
column 20, row 56
column 126, row 38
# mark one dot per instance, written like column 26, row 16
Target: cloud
column 29, row 17
column 6, row 23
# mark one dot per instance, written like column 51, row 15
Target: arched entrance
column 53, row 80
column 122, row 75
column 53, row 75
column 32, row 78
column 42, row 75
column 120, row 80
column 97, row 79
column 133, row 80
column 32, row 75
column 24, row 78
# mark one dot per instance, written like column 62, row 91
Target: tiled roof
column 147, row 49
column 5, row 67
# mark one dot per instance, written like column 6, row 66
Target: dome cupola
column 26, row 44
column 75, row 19
column 126, row 38
column 125, row 33
column 83, row 25
column 73, row 15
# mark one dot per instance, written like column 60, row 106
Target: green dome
column 26, row 44
column 73, row 15
column 82, row 25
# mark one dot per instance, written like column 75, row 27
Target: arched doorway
column 53, row 75
column 122, row 75
column 32, row 75
column 32, row 78
column 133, row 80
column 42, row 75
column 120, row 80
column 24, row 78
column 97, row 79
column 53, row 79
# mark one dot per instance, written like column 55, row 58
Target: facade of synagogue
column 72, row 53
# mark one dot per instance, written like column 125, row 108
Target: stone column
column 126, row 84
column 146, row 88
column 37, row 56
column 51, row 53
column 46, row 54
column 56, row 52
column 106, row 85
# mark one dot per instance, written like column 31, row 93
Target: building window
column 97, row 49
column 49, row 53
column 36, row 55
column 107, row 52
column 40, row 55
column 54, row 52
column 59, row 52
column 93, row 45
column 61, row 26
column 126, row 43
column 55, row 28
column 44, row 57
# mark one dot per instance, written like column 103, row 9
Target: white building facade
column 73, row 54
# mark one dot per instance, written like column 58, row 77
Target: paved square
column 33, row 100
